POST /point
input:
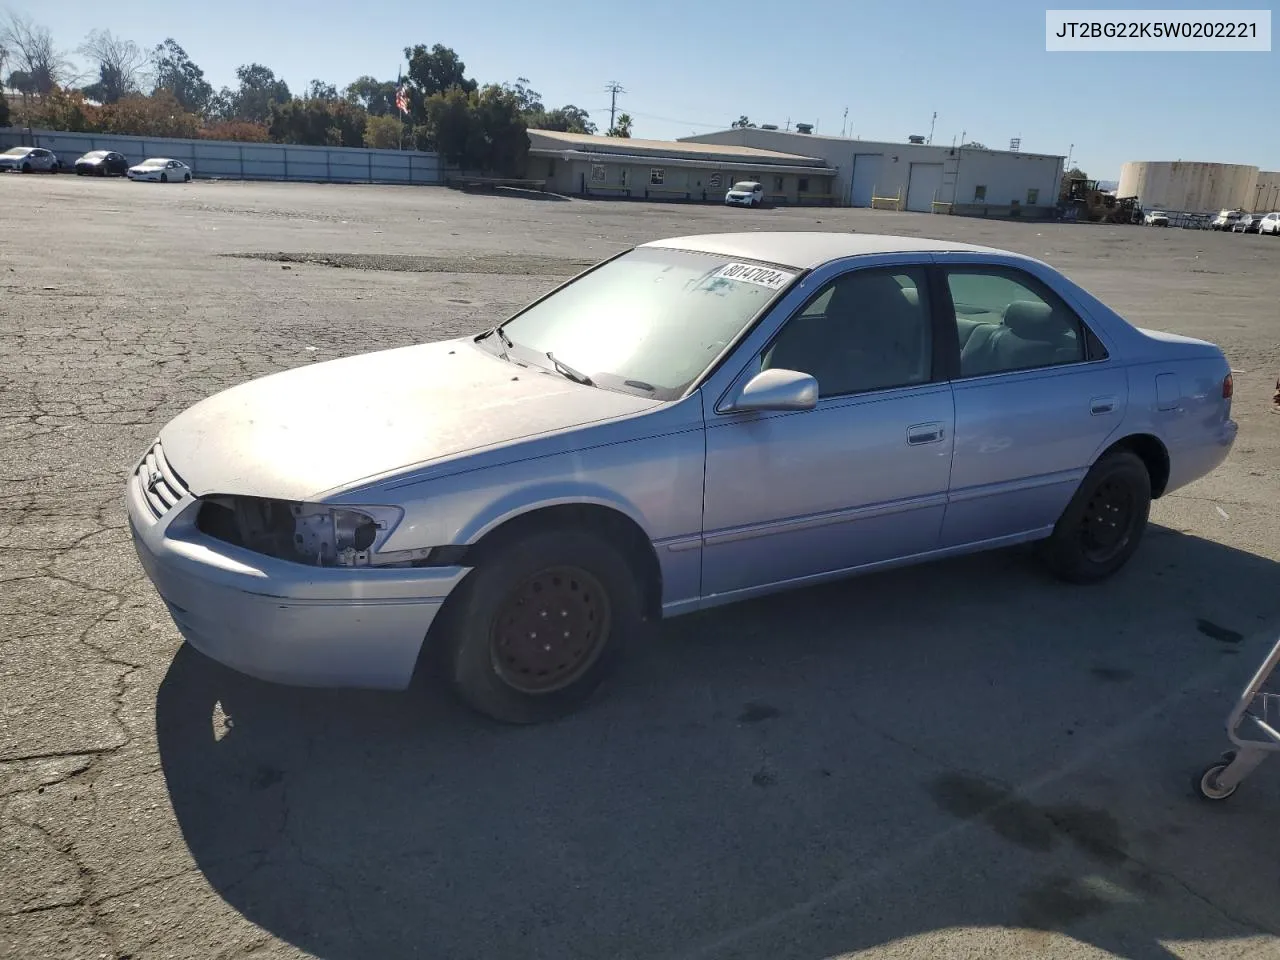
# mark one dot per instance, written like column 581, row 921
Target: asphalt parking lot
column 961, row 759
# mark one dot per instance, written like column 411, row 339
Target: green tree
column 177, row 73
column 319, row 90
column 621, row 127
column 383, row 133
column 437, row 70
column 568, row 119
column 378, row 97
column 4, row 111
column 742, row 122
column 503, row 132
column 318, row 122
column 482, row 130
column 252, row 101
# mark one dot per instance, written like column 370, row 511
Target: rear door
column 1036, row 396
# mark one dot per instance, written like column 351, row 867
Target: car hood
column 318, row 429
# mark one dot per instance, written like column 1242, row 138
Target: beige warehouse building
column 919, row 176
column 586, row 165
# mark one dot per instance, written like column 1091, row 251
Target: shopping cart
column 1261, row 707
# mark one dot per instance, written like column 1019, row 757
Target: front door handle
column 1101, row 405
column 924, row 433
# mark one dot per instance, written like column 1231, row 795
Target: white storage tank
column 1188, row 187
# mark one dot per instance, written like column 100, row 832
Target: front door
column 857, row 480
column 1036, row 398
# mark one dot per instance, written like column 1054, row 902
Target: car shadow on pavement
column 816, row 773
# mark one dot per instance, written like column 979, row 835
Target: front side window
column 650, row 321
column 866, row 330
column 1007, row 321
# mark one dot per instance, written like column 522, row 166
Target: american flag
column 402, row 98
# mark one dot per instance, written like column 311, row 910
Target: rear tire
column 1103, row 524
column 573, row 587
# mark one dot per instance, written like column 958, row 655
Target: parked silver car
column 690, row 423
column 29, row 160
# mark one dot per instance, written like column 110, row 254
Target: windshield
column 153, row 163
column 746, row 186
column 651, row 320
column 17, row 151
column 95, row 154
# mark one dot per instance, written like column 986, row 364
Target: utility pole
column 931, row 123
column 613, row 88
column 844, row 121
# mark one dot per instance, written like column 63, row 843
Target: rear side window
column 1008, row 321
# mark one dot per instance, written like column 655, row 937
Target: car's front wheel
column 538, row 625
column 1103, row 524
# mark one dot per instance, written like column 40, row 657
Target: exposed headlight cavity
column 318, row 534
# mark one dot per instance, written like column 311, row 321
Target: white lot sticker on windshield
column 760, row 276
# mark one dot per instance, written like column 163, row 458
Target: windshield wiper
column 568, row 371
column 502, row 336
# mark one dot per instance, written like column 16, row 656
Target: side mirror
column 775, row 389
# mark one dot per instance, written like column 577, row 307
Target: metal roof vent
column 915, row 138
column 804, row 128
column 768, row 126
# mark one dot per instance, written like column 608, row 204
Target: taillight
column 1228, row 387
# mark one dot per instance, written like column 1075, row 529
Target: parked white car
column 746, row 193
column 162, row 169
column 1270, row 224
column 1156, row 218
column 1225, row 220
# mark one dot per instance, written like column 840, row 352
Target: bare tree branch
column 120, row 65
column 34, row 55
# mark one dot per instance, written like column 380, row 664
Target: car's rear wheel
column 1103, row 524
column 26, row 168
column 186, row 178
column 537, row 626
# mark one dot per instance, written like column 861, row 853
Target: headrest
column 1032, row 320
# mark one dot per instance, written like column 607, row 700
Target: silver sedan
column 690, row 423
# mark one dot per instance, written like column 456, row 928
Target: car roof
column 806, row 249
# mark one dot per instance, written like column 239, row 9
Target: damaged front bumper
column 282, row 621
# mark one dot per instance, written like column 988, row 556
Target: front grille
column 160, row 484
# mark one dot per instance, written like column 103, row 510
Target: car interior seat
column 1029, row 334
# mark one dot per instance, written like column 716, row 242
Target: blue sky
column 693, row 67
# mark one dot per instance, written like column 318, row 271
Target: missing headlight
column 317, row 534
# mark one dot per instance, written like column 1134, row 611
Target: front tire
column 537, row 626
column 164, row 178
column 1103, row 524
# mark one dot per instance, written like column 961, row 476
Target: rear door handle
column 1101, row 405
column 924, row 433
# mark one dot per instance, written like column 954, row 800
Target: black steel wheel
column 1103, row 524
column 538, row 624
column 549, row 630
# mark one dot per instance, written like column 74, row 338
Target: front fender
column 525, row 500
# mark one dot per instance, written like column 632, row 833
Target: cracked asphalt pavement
column 962, row 759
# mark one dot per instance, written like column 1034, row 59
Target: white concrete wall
column 1188, row 187
column 1009, row 178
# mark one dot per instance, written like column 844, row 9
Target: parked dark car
column 102, row 163
column 1249, row 223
